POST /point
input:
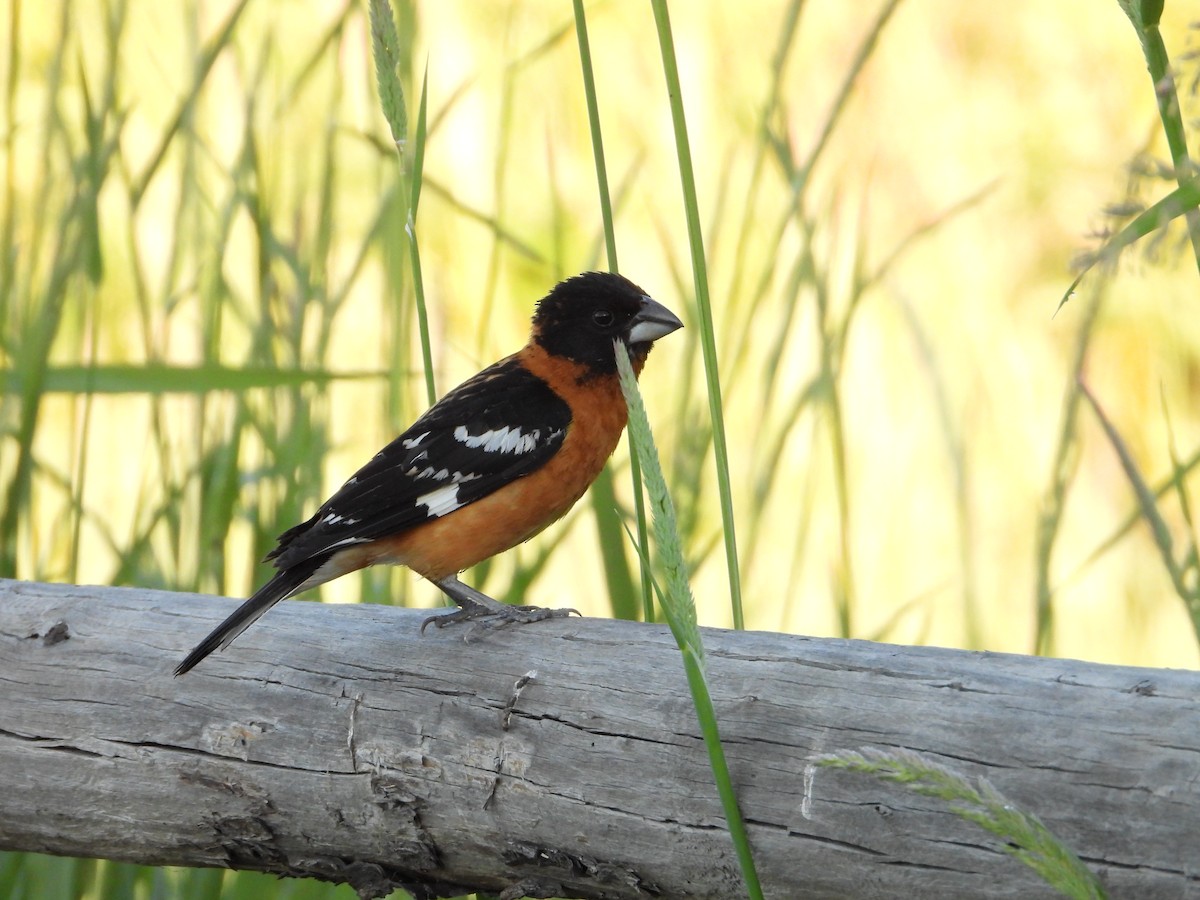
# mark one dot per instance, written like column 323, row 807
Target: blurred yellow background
column 954, row 369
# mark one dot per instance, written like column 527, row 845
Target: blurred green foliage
column 208, row 315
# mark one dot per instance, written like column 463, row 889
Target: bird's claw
column 487, row 619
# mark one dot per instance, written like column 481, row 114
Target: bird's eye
column 603, row 317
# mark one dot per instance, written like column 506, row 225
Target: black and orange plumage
column 488, row 466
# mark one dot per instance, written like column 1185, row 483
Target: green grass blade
column 1185, row 199
column 1054, row 500
column 161, row 378
column 386, row 49
column 414, row 251
column 1182, row 201
column 624, row 599
column 680, row 609
column 1183, row 576
column 418, row 160
column 1145, row 15
column 220, row 42
column 614, row 552
column 8, row 200
column 1182, row 470
column 703, row 305
column 1023, row 834
column 593, row 108
column 849, row 79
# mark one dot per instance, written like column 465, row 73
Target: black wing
column 498, row 426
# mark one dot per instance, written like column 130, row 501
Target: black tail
column 283, row 585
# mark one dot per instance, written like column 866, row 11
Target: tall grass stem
column 708, row 342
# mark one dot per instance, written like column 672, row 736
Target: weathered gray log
column 335, row 742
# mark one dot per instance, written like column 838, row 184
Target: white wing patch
column 441, row 501
column 413, row 443
column 455, row 477
column 429, row 472
column 499, row 440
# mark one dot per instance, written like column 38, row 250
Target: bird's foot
column 487, row 614
column 486, row 619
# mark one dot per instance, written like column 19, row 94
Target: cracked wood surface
column 334, row 742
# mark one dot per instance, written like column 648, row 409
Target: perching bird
column 490, row 465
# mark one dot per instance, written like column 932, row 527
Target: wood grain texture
column 334, row 742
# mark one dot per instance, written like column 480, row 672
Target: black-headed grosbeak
column 491, row 464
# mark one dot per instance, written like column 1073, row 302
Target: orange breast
column 516, row 512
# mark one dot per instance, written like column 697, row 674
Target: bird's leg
column 488, row 614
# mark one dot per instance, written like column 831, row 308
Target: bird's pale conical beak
column 652, row 322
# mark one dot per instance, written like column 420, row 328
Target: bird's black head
column 582, row 316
